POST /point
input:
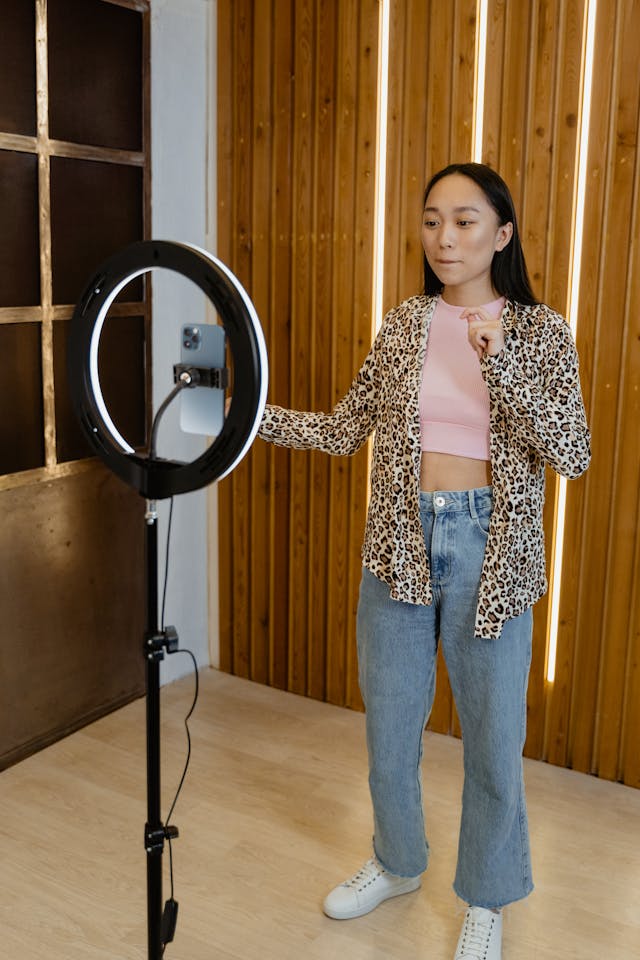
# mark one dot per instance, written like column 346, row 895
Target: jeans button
column 440, row 501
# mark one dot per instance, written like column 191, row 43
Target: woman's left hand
column 485, row 334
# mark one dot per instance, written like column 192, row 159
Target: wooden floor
column 275, row 811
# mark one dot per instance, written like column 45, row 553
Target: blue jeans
column 397, row 646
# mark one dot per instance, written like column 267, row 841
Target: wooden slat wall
column 593, row 721
column 297, row 126
column 297, row 88
column 72, row 594
column 530, row 136
column 588, row 718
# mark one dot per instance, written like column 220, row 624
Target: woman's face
column 460, row 234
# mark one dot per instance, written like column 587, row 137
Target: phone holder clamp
column 215, row 377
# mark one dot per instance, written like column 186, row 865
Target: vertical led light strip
column 381, row 163
column 379, row 212
column 479, row 79
column 572, row 314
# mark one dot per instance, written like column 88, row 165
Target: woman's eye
column 430, row 223
column 464, row 223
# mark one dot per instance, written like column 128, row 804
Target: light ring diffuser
column 157, row 479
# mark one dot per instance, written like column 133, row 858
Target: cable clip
column 155, row 644
column 154, row 837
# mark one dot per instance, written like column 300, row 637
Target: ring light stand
column 157, row 479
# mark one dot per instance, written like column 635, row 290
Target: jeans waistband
column 479, row 500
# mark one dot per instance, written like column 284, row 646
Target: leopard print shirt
column 536, row 417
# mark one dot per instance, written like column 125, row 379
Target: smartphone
column 202, row 408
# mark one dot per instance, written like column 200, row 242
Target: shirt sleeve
column 341, row 432
column 542, row 396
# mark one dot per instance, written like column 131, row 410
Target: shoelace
column 476, row 937
column 365, row 875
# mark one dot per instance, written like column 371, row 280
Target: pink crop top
column 454, row 402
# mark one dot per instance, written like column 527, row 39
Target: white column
column 182, row 121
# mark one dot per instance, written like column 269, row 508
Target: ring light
column 157, row 479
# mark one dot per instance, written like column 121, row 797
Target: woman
column 471, row 389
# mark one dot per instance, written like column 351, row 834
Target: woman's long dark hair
column 508, row 269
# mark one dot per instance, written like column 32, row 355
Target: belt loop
column 472, row 504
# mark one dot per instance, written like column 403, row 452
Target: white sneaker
column 365, row 890
column 481, row 935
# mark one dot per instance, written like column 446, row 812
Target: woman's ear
column 505, row 232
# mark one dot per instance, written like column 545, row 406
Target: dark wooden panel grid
column 71, row 584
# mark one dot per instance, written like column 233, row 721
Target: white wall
column 183, row 208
